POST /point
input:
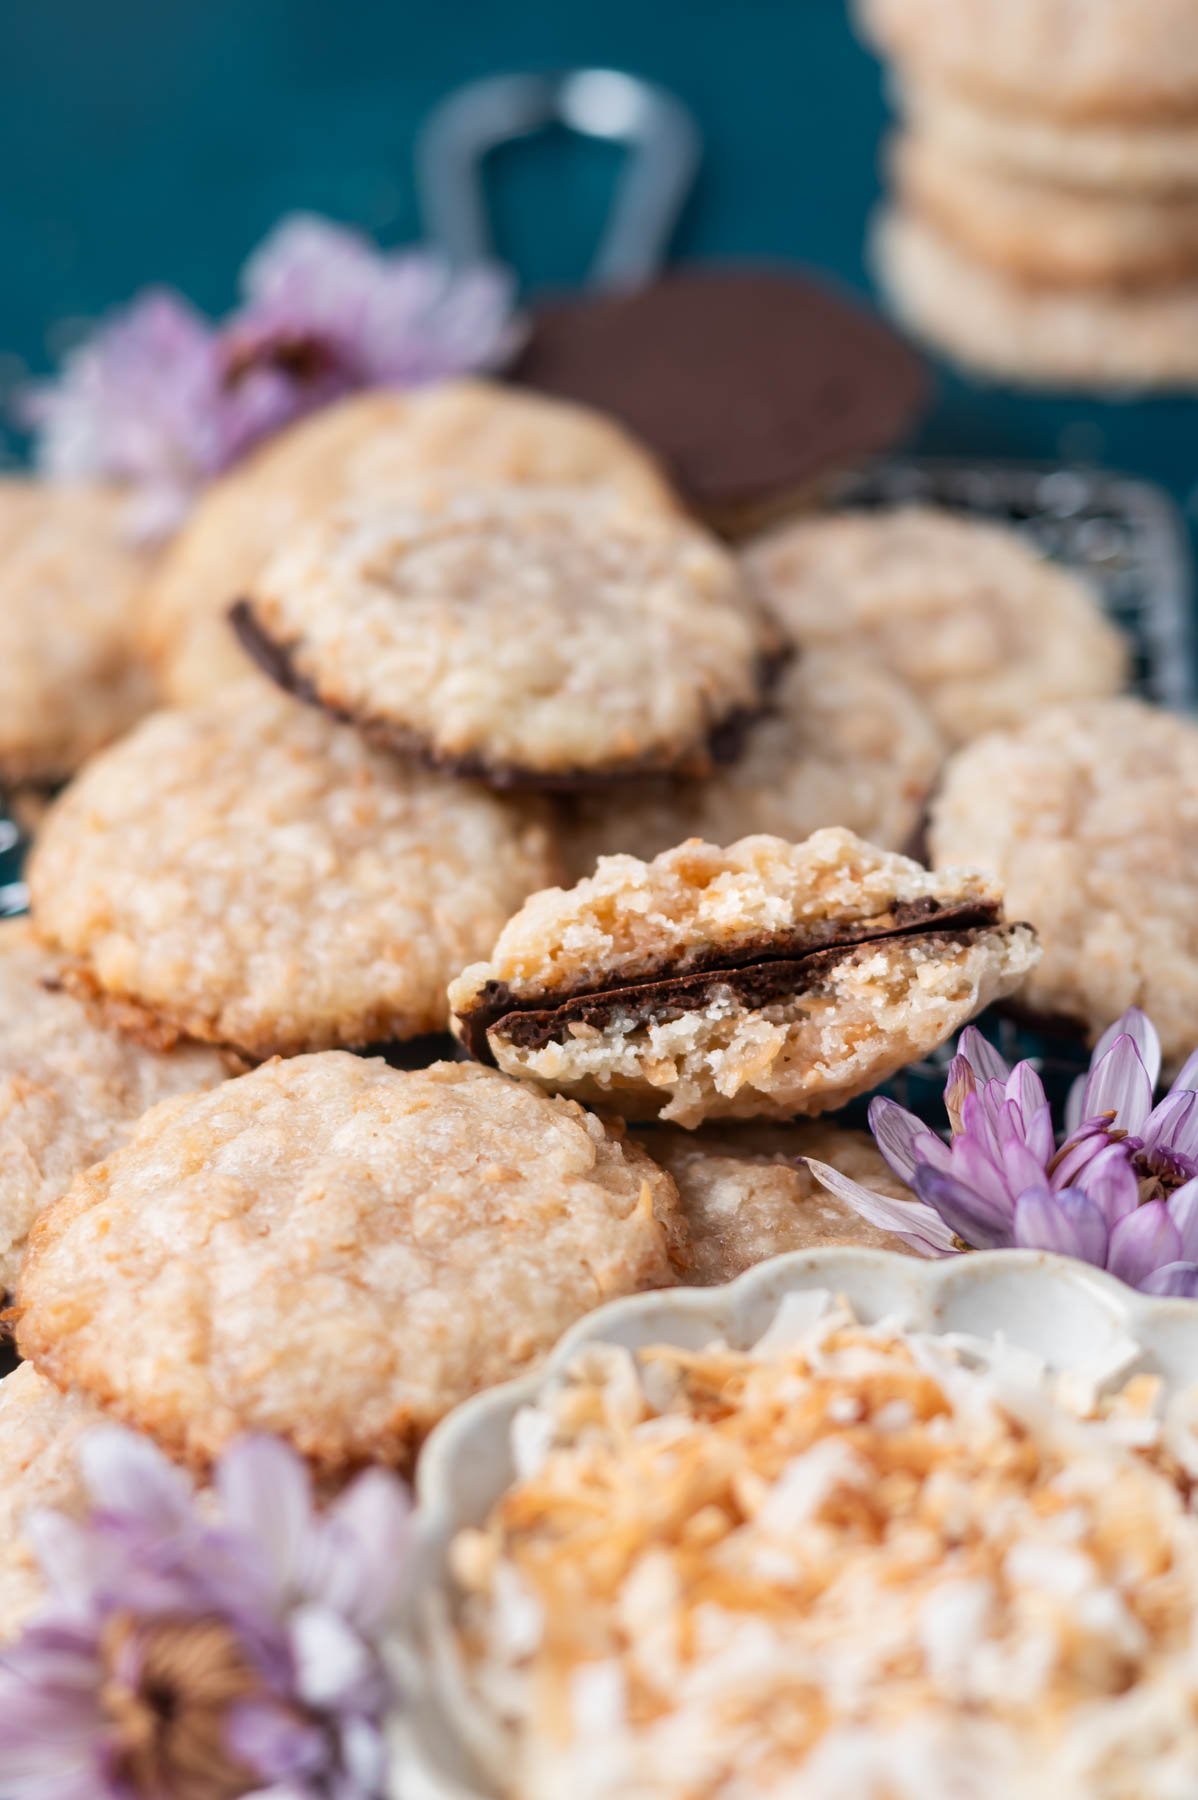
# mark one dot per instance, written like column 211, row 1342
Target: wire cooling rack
column 1127, row 539
column 1124, row 536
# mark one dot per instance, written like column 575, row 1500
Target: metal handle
column 662, row 138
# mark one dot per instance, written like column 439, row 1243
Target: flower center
column 168, row 1686
column 1162, row 1170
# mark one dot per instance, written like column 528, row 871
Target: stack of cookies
column 323, row 1106
column 1044, row 222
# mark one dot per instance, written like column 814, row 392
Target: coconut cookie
column 1142, row 156
column 366, row 444
column 70, row 1086
column 980, row 627
column 252, row 874
column 844, row 743
column 769, row 979
column 1047, row 337
column 524, row 635
column 337, row 1252
column 1122, row 59
column 747, row 1194
column 70, row 602
column 40, row 1430
column 1060, row 236
column 1088, row 815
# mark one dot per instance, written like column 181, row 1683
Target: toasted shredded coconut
column 848, row 1564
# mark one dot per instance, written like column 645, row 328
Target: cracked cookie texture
column 519, row 633
column 71, row 1085
column 369, row 443
column 1088, row 816
column 337, row 1251
column 978, row 624
column 843, row 742
column 250, row 873
column 747, row 1194
column 71, row 590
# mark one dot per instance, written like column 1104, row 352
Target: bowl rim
column 434, row 1479
column 431, row 1758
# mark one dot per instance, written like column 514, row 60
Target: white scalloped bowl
column 1070, row 1315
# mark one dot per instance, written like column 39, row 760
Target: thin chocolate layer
column 724, row 743
column 788, row 952
column 763, row 984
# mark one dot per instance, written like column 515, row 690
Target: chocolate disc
column 750, row 384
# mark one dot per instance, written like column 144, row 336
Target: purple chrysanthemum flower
column 1120, row 1190
column 137, row 403
column 323, row 294
column 160, row 400
column 204, row 1649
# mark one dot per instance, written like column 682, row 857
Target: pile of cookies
column 424, row 658
column 1044, row 226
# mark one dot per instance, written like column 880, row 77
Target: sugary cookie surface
column 251, row 873
column 536, row 634
column 71, row 591
column 746, row 1193
column 71, row 1085
column 844, row 742
column 1088, row 816
column 338, row 1252
column 366, row 444
column 978, row 625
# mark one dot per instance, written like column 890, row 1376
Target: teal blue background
column 147, row 140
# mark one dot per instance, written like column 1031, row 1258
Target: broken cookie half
column 765, row 980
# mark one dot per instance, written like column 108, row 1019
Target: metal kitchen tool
column 660, row 135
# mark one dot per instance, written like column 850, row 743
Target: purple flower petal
column 1176, row 1280
column 1183, row 1210
column 268, row 1738
column 983, row 1173
column 897, row 1132
column 1143, row 1241
column 137, row 404
column 333, row 1666
column 1173, row 1125
column 363, row 1549
column 1119, row 1083
column 126, row 1473
column 400, row 318
column 305, row 1596
column 981, row 1055
column 966, row 1213
column 917, row 1225
column 961, row 1082
column 1078, row 1150
column 1022, row 1169
column 1109, row 1180
column 1066, row 1222
column 1074, row 1102
column 1026, row 1090
column 266, row 1495
column 1188, row 1074
column 1039, row 1135
column 1139, row 1028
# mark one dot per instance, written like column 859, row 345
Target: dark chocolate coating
column 750, row 384
column 770, row 969
column 724, row 742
